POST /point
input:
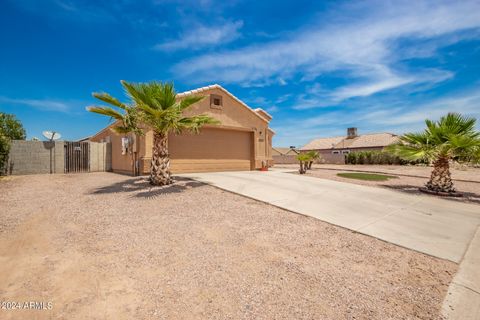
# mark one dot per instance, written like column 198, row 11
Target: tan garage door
column 211, row 150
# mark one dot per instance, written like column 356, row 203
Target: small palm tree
column 314, row 155
column 452, row 138
column 156, row 105
column 303, row 159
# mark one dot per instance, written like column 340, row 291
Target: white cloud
column 41, row 104
column 203, row 36
column 316, row 96
column 364, row 47
column 272, row 109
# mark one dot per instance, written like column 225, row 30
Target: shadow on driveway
column 141, row 188
column 468, row 197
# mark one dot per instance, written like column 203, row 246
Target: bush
column 10, row 129
column 377, row 157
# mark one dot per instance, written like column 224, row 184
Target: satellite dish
column 51, row 135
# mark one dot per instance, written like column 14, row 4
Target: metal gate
column 77, row 157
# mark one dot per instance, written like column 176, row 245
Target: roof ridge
column 384, row 132
column 331, row 137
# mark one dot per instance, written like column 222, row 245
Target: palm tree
column 156, row 105
column 452, row 138
column 303, row 159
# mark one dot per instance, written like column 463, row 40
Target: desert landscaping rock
column 103, row 245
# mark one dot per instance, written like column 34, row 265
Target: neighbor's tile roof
column 322, row 143
column 362, row 141
column 283, row 151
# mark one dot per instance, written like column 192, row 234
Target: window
column 216, row 101
column 335, row 152
column 345, row 151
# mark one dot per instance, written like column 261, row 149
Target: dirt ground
column 107, row 246
column 468, row 181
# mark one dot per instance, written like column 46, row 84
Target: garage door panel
column 209, row 165
column 211, row 150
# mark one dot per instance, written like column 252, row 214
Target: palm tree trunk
column 440, row 179
column 302, row 167
column 160, row 168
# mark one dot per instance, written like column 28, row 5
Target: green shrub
column 377, row 157
column 361, row 158
column 10, row 129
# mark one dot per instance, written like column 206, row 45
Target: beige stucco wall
column 100, row 156
column 233, row 116
column 123, row 163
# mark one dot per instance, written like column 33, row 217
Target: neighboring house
column 334, row 149
column 284, row 155
column 242, row 141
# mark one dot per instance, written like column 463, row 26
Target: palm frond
column 189, row 100
column 168, row 96
column 194, row 123
column 409, row 152
column 304, row 157
column 105, row 97
column 135, row 93
column 106, row 111
column 313, row 154
column 121, row 129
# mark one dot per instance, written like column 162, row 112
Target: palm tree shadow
column 141, row 188
column 468, row 197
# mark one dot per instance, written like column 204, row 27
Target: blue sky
column 317, row 66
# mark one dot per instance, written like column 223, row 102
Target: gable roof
column 362, row 141
column 217, row 86
column 256, row 112
column 322, row 143
column 279, row 151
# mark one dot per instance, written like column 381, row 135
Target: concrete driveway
column 434, row 226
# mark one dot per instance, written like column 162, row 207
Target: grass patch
column 365, row 176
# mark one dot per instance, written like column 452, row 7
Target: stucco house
column 334, row 149
column 242, row 141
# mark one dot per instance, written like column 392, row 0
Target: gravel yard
column 108, row 246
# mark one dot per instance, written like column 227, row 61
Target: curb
column 462, row 301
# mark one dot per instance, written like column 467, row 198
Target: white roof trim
column 217, row 86
column 262, row 110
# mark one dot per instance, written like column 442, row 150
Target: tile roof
column 322, row 143
column 283, row 151
column 362, row 141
